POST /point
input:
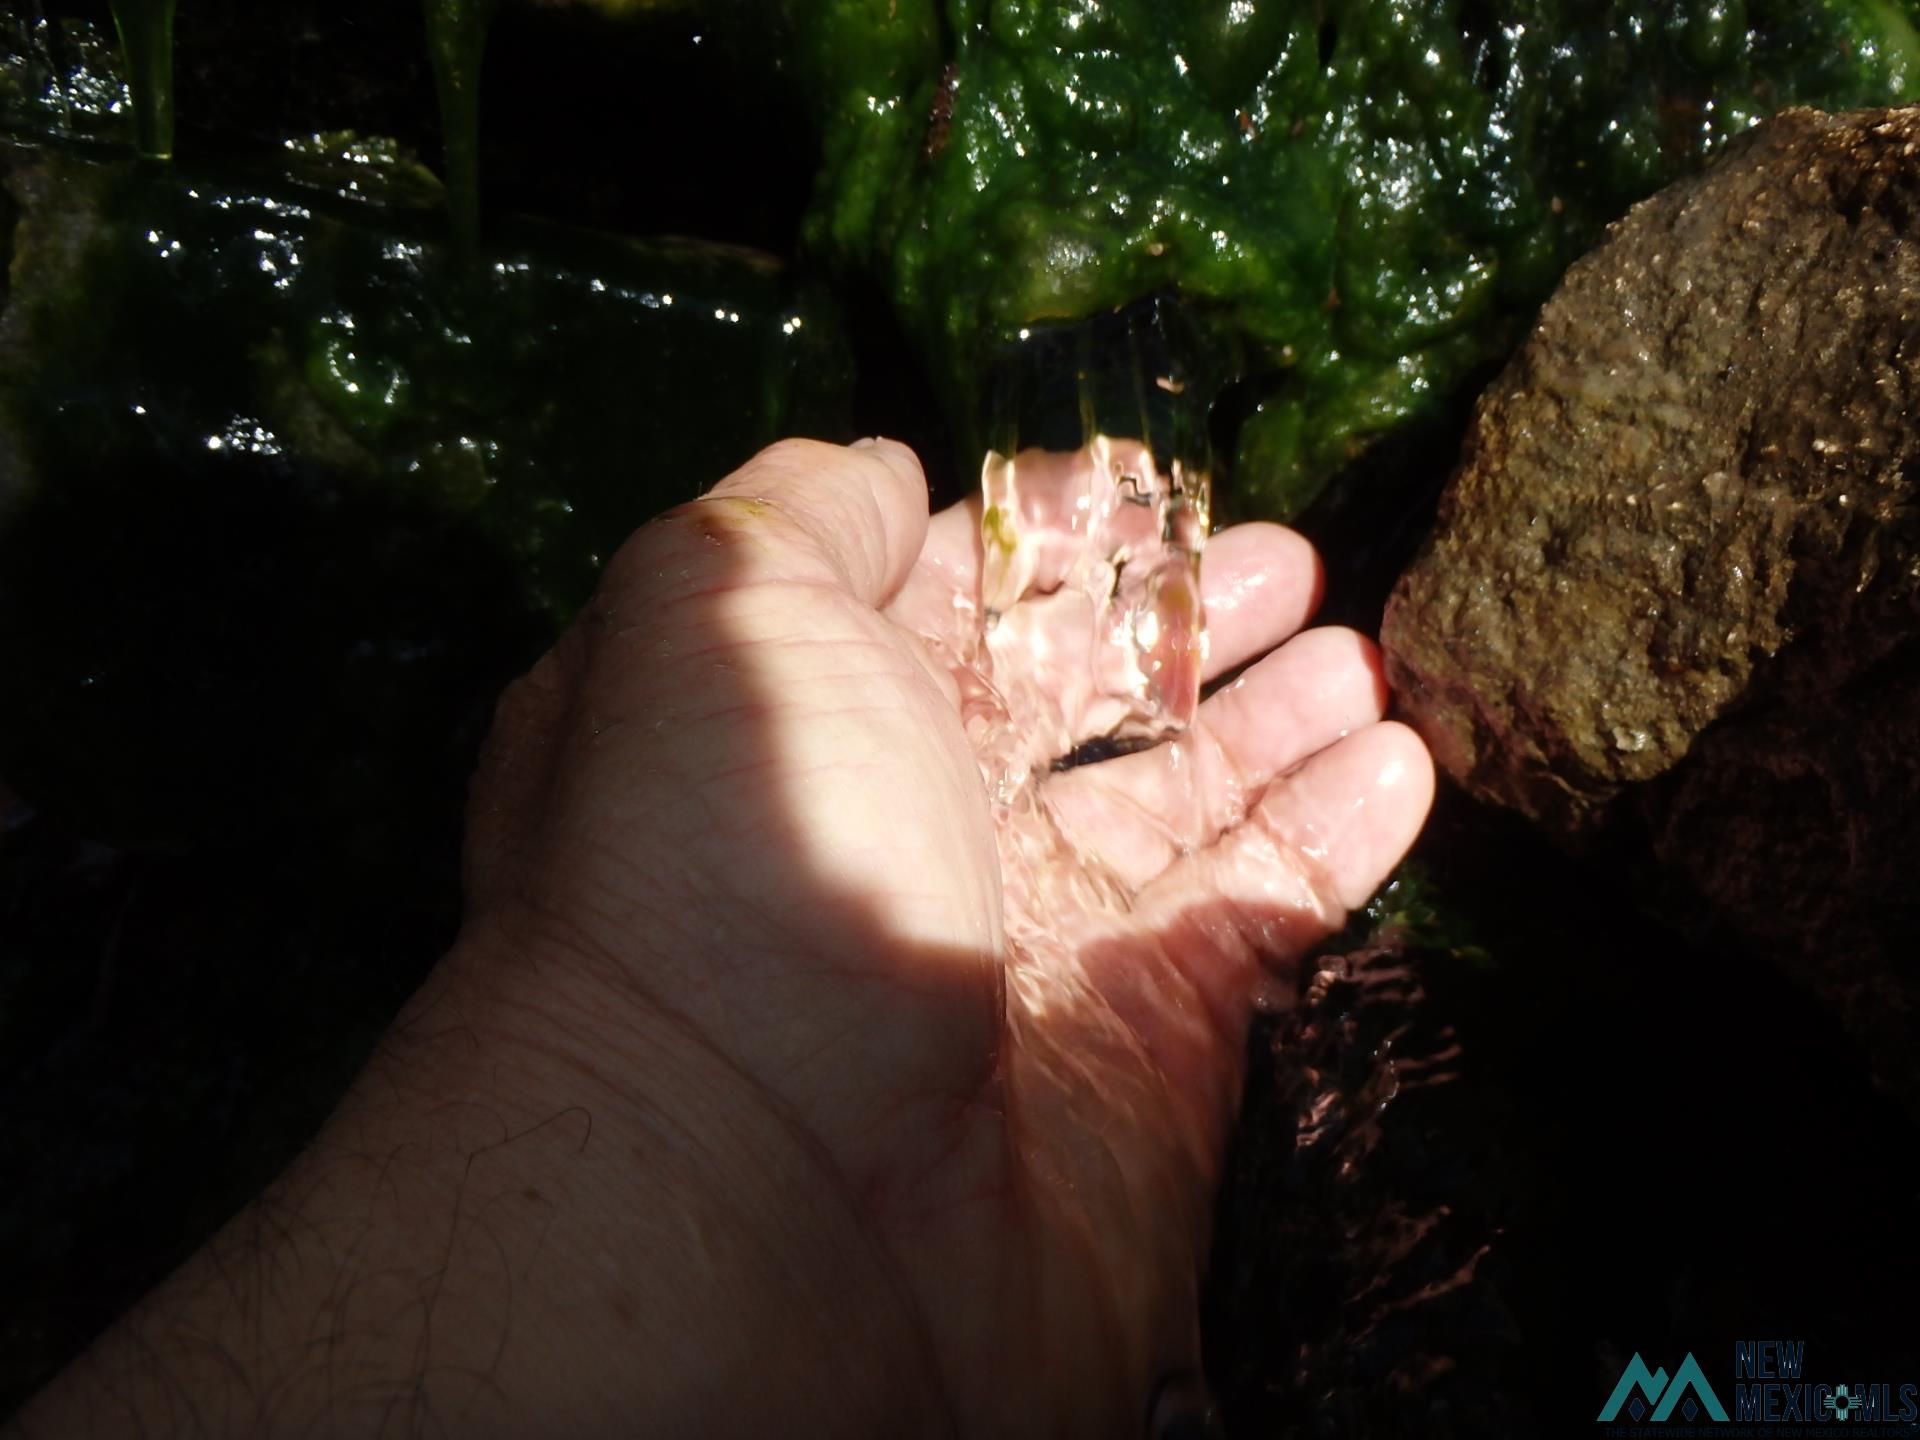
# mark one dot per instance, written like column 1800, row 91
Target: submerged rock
column 1674, row 584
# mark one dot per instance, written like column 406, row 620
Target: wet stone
column 1673, row 592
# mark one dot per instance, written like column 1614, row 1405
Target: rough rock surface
column 1675, row 582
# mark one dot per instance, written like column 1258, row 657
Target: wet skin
column 762, row 1082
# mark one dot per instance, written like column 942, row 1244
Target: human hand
column 743, row 785
column 781, row 1081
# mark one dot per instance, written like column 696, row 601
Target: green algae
column 61, row 76
column 583, row 378
column 370, row 168
column 1368, row 200
column 255, row 370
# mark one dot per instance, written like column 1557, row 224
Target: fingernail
column 899, row 457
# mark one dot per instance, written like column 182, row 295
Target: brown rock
column 1675, row 583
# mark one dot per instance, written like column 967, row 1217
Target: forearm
column 491, row 1237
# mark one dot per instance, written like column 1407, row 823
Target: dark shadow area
column 255, row 611
column 617, row 124
column 1660, row 1145
column 244, row 707
column 894, row 396
column 1369, row 521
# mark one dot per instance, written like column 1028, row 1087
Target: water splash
column 1095, row 509
column 1093, row 626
